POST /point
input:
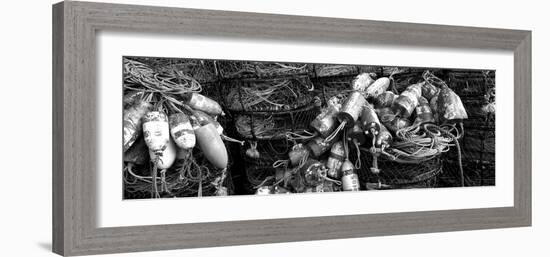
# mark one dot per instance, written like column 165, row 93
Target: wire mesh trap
column 331, row 70
column 271, row 107
column 275, row 125
column 192, row 175
column 394, row 175
column 340, row 87
column 251, row 69
column 268, row 95
column 199, row 69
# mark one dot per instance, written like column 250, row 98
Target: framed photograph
column 182, row 128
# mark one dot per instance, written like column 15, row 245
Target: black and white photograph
column 204, row 127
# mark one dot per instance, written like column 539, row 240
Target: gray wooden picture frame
column 75, row 25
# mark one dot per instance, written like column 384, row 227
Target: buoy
column 212, row 145
column 326, row 121
column 349, row 113
column 166, row 158
column 350, row 180
column 356, row 134
column 384, row 137
column 377, row 88
column 203, row 103
column 385, row 115
column 313, row 172
column 384, row 100
column 450, row 106
column 181, row 130
column 351, row 109
column 398, row 123
column 156, row 131
column 297, row 154
column 363, row 81
column 429, row 90
column 335, row 160
column 405, row 103
column 264, row 190
column 423, row 112
column 370, row 121
column 318, row 146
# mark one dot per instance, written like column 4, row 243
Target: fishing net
column 477, row 91
column 378, row 70
column 268, row 95
column 401, row 78
column 258, row 168
column 332, row 70
column 250, row 69
column 395, row 175
column 199, row 69
column 469, row 83
column 339, row 87
column 192, row 176
column 139, row 76
column 275, row 125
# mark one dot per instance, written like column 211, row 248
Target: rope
column 335, row 132
column 138, row 73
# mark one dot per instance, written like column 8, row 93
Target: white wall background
column 25, row 129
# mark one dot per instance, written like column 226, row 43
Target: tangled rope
column 328, row 70
column 418, row 144
column 269, row 95
column 137, row 73
column 262, row 69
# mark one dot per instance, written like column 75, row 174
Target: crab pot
column 254, row 69
column 275, row 95
column 351, row 109
column 274, row 125
column 394, row 175
column 333, row 70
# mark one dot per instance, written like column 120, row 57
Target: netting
column 331, row 70
column 275, row 125
column 192, row 176
column 200, row 70
column 394, row 175
column 271, row 105
column 268, row 95
column 139, row 76
column 339, row 87
column 250, row 69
